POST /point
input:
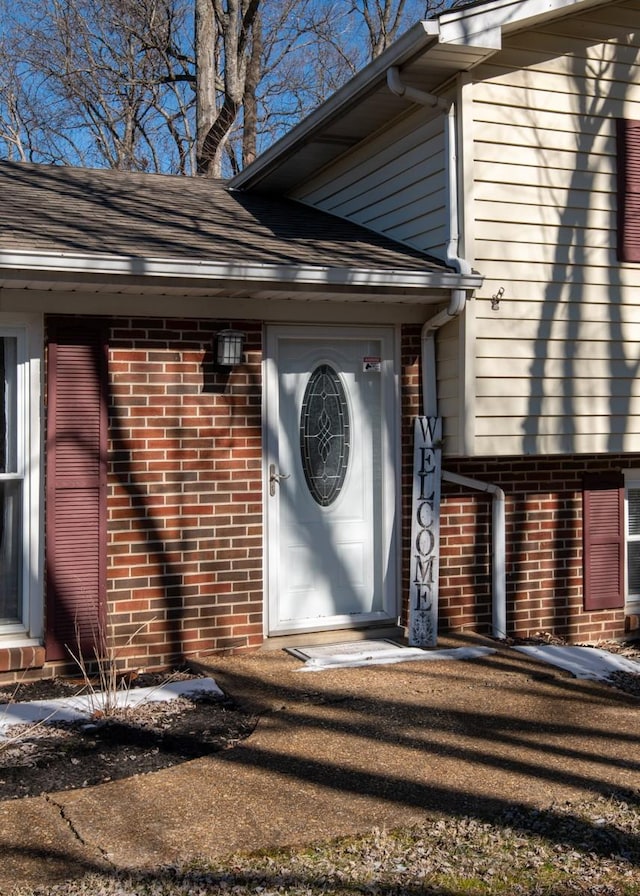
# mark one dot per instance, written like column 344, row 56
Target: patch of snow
column 83, row 706
column 353, row 657
column 590, row 663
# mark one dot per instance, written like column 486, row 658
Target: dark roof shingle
column 94, row 211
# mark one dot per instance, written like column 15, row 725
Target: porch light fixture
column 229, row 346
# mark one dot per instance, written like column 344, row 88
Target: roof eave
column 286, row 276
column 479, row 29
column 464, row 25
column 418, row 38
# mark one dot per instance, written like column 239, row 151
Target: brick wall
column 544, row 547
column 184, row 491
column 411, row 407
column 185, row 511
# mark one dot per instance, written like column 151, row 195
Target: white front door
column 331, row 473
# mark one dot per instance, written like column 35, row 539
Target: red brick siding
column 544, row 548
column 411, row 407
column 26, row 660
column 184, row 492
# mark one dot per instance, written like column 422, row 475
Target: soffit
column 316, row 144
column 13, row 283
column 428, row 57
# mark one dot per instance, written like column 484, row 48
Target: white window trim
column 29, row 331
column 631, row 480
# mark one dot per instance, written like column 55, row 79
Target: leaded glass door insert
column 330, row 478
column 325, row 434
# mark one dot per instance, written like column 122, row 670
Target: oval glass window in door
column 325, row 434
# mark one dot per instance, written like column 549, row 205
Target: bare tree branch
column 178, row 85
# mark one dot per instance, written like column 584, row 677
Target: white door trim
column 389, row 338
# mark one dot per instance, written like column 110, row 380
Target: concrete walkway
column 343, row 752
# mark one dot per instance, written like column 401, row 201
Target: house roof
column 427, row 56
column 115, row 223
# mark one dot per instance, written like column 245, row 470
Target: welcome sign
column 425, row 532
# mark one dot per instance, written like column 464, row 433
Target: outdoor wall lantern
column 229, row 345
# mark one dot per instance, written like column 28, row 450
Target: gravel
column 591, row 848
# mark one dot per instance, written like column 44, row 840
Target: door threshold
column 281, row 642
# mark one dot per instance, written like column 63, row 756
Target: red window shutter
column 603, row 526
column 76, row 534
column 628, row 190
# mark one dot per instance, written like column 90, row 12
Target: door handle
column 275, row 479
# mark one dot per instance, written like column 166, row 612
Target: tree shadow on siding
column 150, row 534
column 581, row 379
column 564, row 303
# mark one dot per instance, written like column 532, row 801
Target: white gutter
column 288, row 274
column 458, row 293
column 429, row 368
column 428, row 342
column 451, row 156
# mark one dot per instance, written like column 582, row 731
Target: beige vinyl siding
column 449, row 372
column 394, row 184
column 558, row 362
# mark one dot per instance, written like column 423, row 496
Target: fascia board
column 486, row 22
column 359, row 279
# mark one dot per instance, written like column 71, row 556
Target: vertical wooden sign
column 425, row 532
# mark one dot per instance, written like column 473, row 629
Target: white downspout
column 458, row 296
column 421, row 97
column 428, row 343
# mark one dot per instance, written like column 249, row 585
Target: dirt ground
column 61, row 756
column 499, row 755
column 42, row 759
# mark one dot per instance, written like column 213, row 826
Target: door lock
column 275, row 479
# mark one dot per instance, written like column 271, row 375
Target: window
column 11, row 488
column 628, row 136
column 20, row 567
column 632, row 537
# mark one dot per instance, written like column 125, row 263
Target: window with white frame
column 20, row 523
column 632, row 535
column 11, row 487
